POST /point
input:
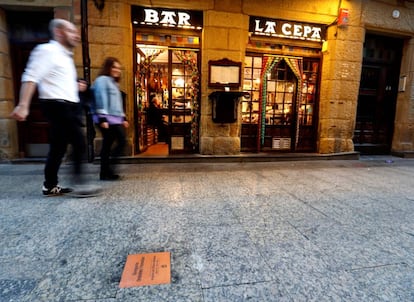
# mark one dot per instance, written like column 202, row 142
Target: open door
column 167, row 81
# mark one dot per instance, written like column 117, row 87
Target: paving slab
column 299, row 230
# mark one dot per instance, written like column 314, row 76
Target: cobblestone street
column 318, row 230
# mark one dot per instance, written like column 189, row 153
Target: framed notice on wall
column 224, row 73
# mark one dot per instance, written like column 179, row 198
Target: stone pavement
column 320, row 230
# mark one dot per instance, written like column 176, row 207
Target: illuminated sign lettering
column 169, row 18
column 287, row 29
column 166, row 17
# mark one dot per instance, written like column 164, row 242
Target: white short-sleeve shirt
column 51, row 67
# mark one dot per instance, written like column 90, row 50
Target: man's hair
column 56, row 23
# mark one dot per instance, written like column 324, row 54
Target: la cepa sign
column 287, row 29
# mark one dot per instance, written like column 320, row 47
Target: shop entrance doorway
column 26, row 30
column 280, row 114
column 167, row 100
column 377, row 94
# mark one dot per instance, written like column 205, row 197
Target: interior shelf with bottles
column 181, row 93
column 251, row 84
column 308, row 95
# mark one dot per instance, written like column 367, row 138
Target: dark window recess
column 224, row 106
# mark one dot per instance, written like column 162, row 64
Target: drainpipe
column 85, row 41
column 90, row 131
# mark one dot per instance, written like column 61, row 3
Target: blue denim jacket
column 108, row 97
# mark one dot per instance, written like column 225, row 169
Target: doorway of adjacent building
column 377, row 94
column 167, row 82
column 26, row 30
column 280, row 114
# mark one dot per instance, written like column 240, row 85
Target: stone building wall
column 225, row 36
column 403, row 140
column 8, row 129
column 110, row 35
column 341, row 72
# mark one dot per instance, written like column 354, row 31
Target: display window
column 281, row 74
column 280, row 113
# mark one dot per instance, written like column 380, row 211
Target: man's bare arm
column 21, row 111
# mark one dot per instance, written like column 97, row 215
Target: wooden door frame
column 384, row 94
column 20, row 48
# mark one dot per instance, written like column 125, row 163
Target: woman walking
column 109, row 115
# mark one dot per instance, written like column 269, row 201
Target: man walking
column 52, row 71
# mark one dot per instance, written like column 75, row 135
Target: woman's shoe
column 109, row 177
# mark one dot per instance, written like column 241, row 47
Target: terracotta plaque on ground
column 146, row 269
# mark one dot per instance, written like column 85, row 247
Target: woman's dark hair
column 107, row 65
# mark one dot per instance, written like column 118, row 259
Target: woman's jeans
column 110, row 135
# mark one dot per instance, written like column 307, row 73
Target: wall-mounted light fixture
column 325, row 46
column 99, row 4
column 395, row 13
column 402, row 83
column 343, row 17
